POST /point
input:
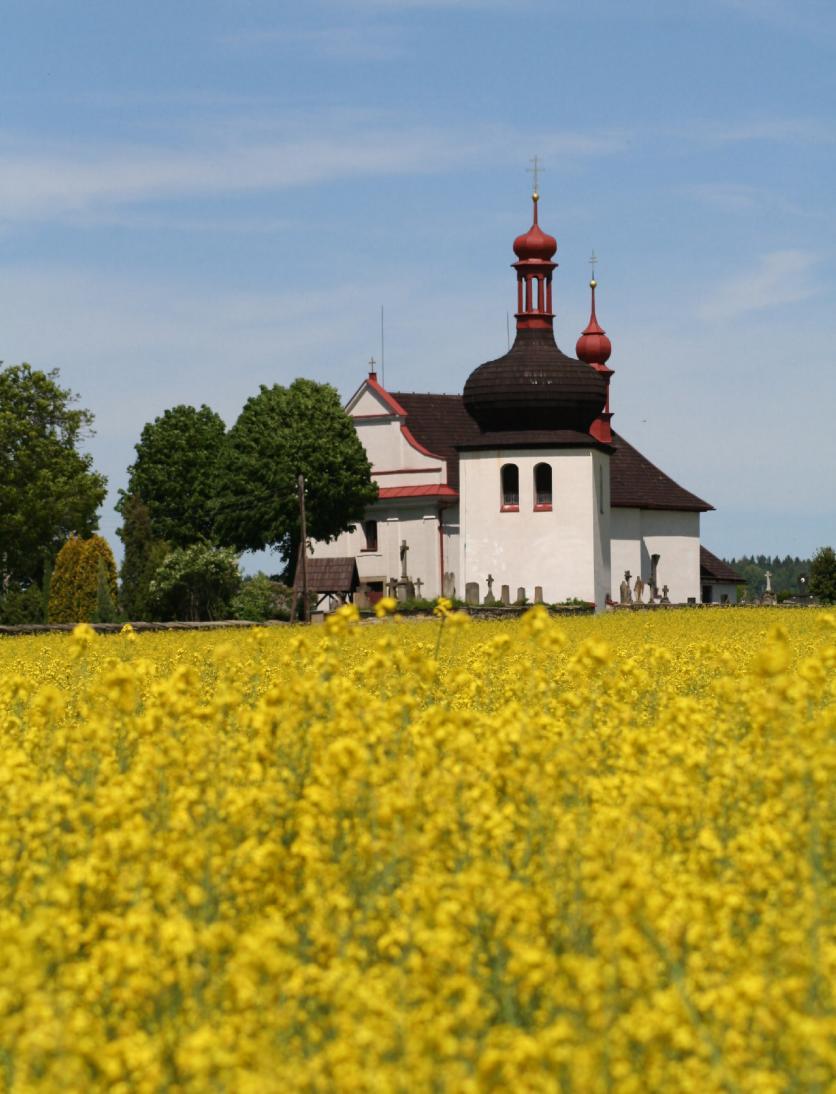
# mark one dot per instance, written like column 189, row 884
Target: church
column 518, row 489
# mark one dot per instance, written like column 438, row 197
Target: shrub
column 195, row 583
column 260, row 598
column 83, row 582
column 20, row 604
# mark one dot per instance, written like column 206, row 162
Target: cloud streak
column 68, row 180
column 781, row 278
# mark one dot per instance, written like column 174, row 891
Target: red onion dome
column 535, row 243
column 593, row 346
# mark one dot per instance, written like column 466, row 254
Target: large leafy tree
column 280, row 434
column 174, row 473
column 823, row 575
column 48, row 488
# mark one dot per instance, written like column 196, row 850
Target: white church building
column 519, row 486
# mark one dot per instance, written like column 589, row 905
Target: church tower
column 535, row 494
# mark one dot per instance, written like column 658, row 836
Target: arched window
column 370, row 532
column 543, row 486
column 510, row 481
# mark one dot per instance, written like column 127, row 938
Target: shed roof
column 718, row 571
column 329, row 575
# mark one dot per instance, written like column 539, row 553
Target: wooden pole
column 303, row 548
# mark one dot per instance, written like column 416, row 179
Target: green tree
column 174, row 473
column 95, row 556
column 82, row 566
column 62, row 591
column 823, row 575
column 143, row 557
column 280, row 433
column 48, row 489
column 195, row 583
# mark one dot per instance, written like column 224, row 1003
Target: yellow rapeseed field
column 551, row 855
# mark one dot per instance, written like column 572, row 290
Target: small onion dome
column 535, row 243
column 593, row 346
column 535, row 386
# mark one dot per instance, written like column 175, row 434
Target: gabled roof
column 718, row 571
column 442, row 424
column 329, row 575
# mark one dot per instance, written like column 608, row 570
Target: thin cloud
column 68, row 180
column 781, row 278
column 343, row 43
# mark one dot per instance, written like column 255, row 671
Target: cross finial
column 534, row 170
column 372, row 363
column 593, row 262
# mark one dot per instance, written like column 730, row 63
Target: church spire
column 534, row 250
column 595, row 348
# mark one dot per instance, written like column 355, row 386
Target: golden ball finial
column 535, row 196
column 593, row 284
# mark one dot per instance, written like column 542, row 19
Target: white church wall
column 673, row 535
column 526, row 548
column 625, row 547
column 413, row 520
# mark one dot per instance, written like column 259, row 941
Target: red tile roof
column 714, row 568
column 442, row 424
column 438, row 490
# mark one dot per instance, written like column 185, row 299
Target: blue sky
column 197, row 198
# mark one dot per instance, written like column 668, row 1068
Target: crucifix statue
column 490, row 581
column 404, row 550
column 418, row 585
column 768, row 576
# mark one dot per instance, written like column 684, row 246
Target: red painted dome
column 535, row 243
column 593, row 346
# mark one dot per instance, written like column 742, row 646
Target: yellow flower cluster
column 582, row 855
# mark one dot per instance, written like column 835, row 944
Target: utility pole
column 303, row 548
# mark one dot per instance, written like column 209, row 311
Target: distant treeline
column 785, row 573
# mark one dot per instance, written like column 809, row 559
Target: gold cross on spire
column 535, row 169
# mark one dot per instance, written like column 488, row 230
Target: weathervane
column 535, row 169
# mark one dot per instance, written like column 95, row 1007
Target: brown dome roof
column 535, row 386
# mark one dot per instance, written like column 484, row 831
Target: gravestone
column 538, row 594
column 521, row 595
column 405, row 589
column 665, row 591
column 654, row 566
column 505, row 595
column 418, row 586
column 448, row 586
column 489, row 597
column 624, row 589
column 638, row 590
column 471, row 592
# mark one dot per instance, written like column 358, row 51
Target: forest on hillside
column 785, row 573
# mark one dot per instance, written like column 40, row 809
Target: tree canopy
column 48, row 489
column 280, row 434
column 175, row 472
column 823, row 575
